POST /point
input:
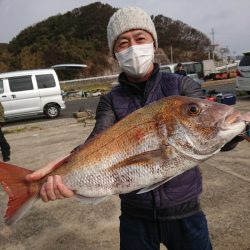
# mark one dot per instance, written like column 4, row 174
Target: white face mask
column 136, row 60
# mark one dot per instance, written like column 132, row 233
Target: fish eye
column 193, row 109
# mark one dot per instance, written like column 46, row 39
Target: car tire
column 52, row 111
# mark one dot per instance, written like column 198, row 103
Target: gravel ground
column 67, row 224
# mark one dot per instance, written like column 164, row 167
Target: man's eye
column 122, row 44
column 140, row 38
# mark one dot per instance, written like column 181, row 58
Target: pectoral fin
column 91, row 200
column 146, row 157
column 152, row 187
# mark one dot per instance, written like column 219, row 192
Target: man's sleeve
column 191, row 88
column 105, row 116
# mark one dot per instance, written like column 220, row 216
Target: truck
column 204, row 70
column 214, row 72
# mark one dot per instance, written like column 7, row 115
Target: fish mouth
column 230, row 120
column 236, row 117
column 246, row 117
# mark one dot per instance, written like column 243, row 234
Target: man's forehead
column 134, row 32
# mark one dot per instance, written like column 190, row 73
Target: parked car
column 243, row 73
column 31, row 92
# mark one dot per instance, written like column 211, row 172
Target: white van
column 31, row 92
column 243, row 73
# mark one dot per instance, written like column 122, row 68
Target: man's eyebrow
column 121, row 37
column 135, row 32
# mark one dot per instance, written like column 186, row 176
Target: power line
column 213, row 42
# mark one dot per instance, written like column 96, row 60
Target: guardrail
column 89, row 80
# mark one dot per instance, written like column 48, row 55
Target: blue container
column 229, row 98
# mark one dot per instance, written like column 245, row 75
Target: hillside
column 79, row 36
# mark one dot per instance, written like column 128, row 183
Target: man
column 171, row 213
column 180, row 70
column 5, row 147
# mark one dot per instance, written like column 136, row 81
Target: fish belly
column 139, row 171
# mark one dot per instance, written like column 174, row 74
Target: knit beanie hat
column 126, row 19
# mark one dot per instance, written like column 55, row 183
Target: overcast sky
column 228, row 18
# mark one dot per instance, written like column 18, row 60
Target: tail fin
column 22, row 194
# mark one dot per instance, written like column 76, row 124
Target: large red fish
column 140, row 152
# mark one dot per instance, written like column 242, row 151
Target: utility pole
column 212, row 43
column 171, row 54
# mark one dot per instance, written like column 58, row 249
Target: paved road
column 91, row 103
column 76, row 104
column 224, row 86
column 71, row 106
column 65, row 224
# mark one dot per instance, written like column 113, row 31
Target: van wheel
column 52, row 111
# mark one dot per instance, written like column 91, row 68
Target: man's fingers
column 57, row 181
column 67, row 193
column 54, row 189
column 43, row 193
column 49, row 188
column 246, row 137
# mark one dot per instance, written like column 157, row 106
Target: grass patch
column 242, row 93
column 20, row 129
column 87, row 87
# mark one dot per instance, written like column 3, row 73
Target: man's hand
column 53, row 188
column 246, row 137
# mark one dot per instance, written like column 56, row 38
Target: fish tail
column 22, row 194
